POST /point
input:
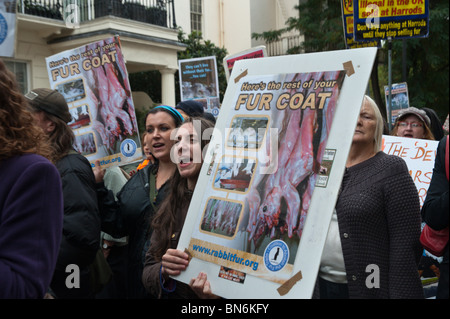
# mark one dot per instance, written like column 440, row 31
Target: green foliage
column 196, row 47
column 148, row 82
column 320, row 21
column 427, row 67
column 270, row 36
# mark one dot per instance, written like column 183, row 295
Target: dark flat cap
column 50, row 101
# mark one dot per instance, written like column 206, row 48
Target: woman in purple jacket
column 31, row 204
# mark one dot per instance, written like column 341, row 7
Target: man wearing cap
column 81, row 223
column 413, row 123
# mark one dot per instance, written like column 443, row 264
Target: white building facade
column 148, row 30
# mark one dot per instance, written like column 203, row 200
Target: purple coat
column 31, row 215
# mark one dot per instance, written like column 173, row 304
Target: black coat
column 81, row 228
column 81, row 223
column 435, row 209
column 131, row 215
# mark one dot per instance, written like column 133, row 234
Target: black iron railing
column 157, row 12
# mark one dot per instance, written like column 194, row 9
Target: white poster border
column 210, row 103
column 358, row 63
column 77, row 65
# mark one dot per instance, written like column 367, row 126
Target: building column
column 168, row 87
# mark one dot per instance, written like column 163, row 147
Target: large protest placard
column 261, row 209
column 253, row 53
column 199, row 81
column 94, row 81
column 419, row 156
column 395, row 19
column 7, row 27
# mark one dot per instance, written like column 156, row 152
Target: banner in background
column 254, row 53
column 94, row 81
column 395, row 19
column 419, row 156
column 400, row 99
column 7, row 28
column 347, row 17
column 199, row 81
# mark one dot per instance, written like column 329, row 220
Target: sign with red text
column 94, row 81
column 254, row 53
column 395, row 19
column 260, row 213
column 419, row 156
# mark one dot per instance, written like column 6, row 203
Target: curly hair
column 18, row 133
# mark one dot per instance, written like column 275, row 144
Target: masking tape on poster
column 348, row 66
column 287, row 286
column 239, row 77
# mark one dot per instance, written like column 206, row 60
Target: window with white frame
column 196, row 15
column 20, row 70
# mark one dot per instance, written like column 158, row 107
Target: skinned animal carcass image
column 109, row 92
column 277, row 203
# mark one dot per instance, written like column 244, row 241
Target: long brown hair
column 18, row 133
column 61, row 139
column 167, row 216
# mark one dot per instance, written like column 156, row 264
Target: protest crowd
column 70, row 231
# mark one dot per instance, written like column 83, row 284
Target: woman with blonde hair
column 372, row 248
column 31, row 203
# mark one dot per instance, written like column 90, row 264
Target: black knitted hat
column 191, row 108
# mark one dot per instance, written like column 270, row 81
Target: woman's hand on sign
column 99, row 173
column 174, row 262
column 202, row 287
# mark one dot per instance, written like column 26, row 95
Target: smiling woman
column 189, row 153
